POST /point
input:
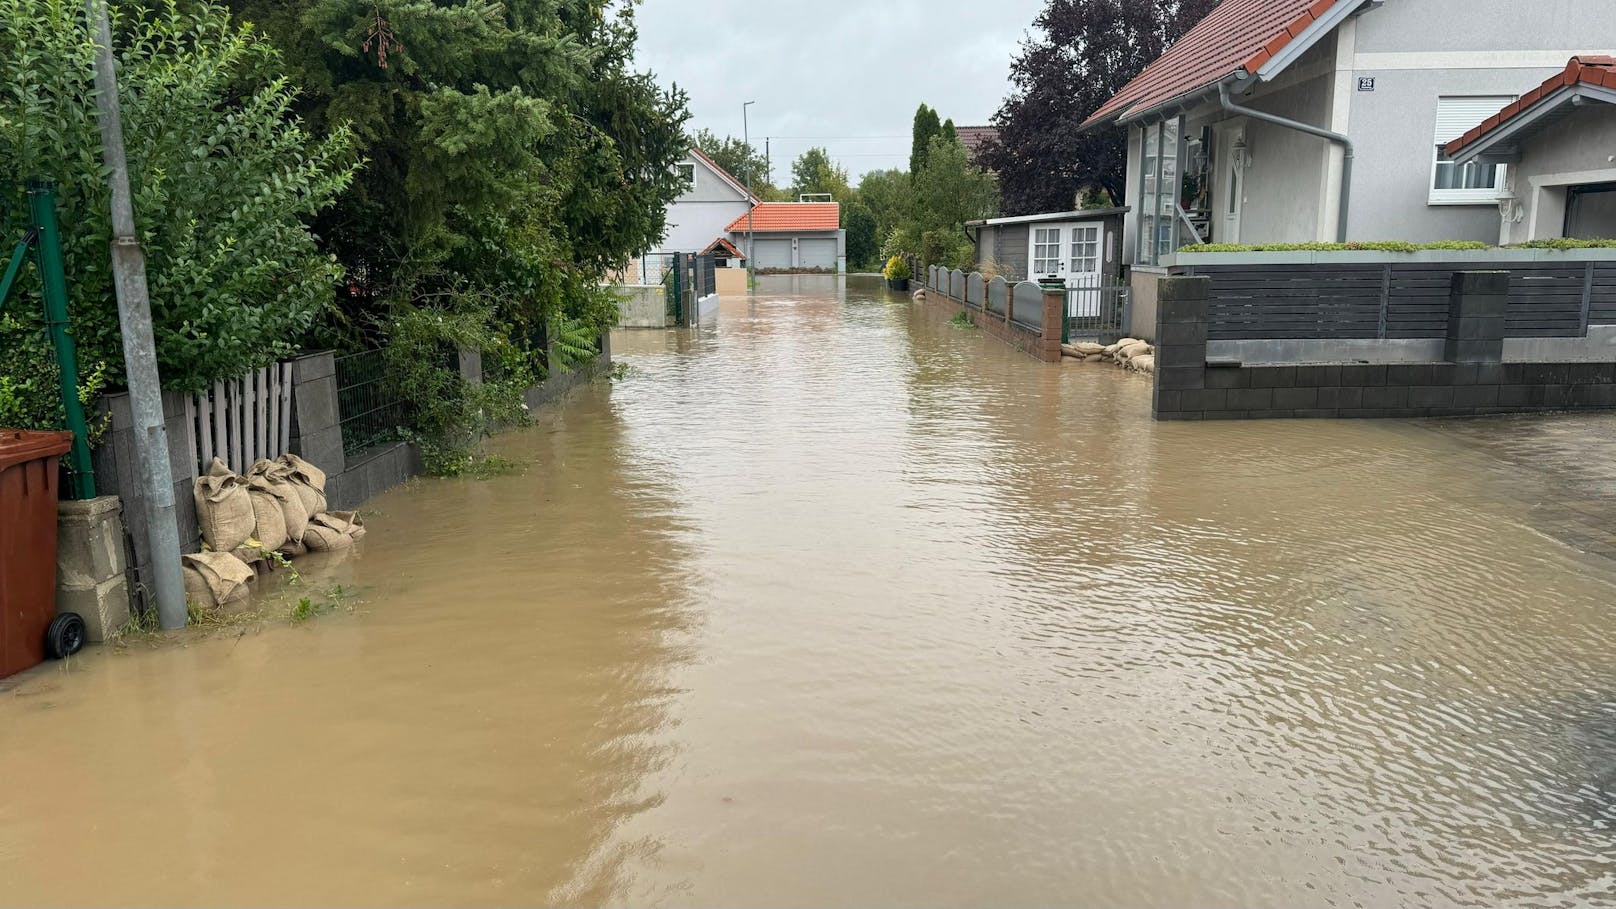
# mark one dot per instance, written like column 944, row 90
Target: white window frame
column 1449, row 126
column 1085, row 249
column 1041, row 244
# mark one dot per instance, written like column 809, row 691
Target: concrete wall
column 1143, row 282
column 1574, row 151
column 642, row 306
column 1042, row 342
column 730, row 282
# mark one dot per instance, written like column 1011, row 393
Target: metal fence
column 1096, row 313
column 370, row 407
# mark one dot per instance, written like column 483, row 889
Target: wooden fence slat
column 238, row 451
column 286, row 408
column 204, row 429
column 191, row 431
column 275, row 445
column 261, row 427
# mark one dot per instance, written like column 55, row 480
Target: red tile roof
column 1584, row 70
column 724, row 246
column 1237, row 35
column 974, row 137
column 774, row 217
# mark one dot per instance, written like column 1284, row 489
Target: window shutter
column 1457, row 116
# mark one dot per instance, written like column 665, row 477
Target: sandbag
column 308, row 480
column 224, row 510
column 330, row 532
column 273, row 478
column 1088, row 348
column 215, row 578
column 356, row 524
column 269, row 518
column 1129, row 351
column 1143, row 363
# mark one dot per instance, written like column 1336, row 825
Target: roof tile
column 774, row 217
column 1583, row 70
column 1236, row 35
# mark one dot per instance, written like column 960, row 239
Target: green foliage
column 885, row 193
column 574, row 344
column 962, row 319
column 738, row 159
column 926, row 128
column 815, row 172
column 1390, row 246
column 898, row 269
column 223, row 177
column 948, row 192
column 861, row 244
column 1567, row 243
column 948, row 133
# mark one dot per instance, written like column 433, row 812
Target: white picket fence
column 242, row 420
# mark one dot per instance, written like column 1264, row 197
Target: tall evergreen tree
column 926, row 128
column 1084, row 53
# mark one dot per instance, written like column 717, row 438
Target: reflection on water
column 831, row 602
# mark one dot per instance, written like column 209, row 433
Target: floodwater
column 834, row 603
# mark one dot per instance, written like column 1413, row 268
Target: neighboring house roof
column 1093, row 214
column 725, row 175
column 974, row 137
column 1237, row 36
column 1585, row 77
column 776, row 217
column 722, row 245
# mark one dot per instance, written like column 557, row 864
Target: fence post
column 1477, row 305
column 1054, row 323
column 317, row 429
column 471, row 366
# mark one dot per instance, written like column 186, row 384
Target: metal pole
column 139, row 343
column 746, row 139
column 42, row 212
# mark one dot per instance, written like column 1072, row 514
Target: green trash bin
column 29, row 479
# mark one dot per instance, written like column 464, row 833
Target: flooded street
column 834, row 603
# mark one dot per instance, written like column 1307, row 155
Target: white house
column 704, row 212
column 1278, row 121
column 1557, row 148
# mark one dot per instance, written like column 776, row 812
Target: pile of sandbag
column 278, row 507
column 1129, row 353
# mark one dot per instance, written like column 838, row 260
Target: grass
column 1395, row 246
column 962, row 319
column 307, row 607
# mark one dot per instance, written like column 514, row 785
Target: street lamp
column 751, row 204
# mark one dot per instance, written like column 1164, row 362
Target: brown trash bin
column 28, row 488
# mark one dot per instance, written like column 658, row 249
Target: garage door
column 817, row 253
column 772, row 254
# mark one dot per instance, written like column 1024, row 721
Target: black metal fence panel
column 369, row 406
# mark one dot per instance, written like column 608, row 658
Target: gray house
column 1328, row 120
column 701, row 215
column 1557, row 147
column 1081, row 247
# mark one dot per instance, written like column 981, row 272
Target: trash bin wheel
column 65, row 636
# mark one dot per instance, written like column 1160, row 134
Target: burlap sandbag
column 215, row 578
column 269, row 518
column 356, row 524
column 308, row 480
column 273, row 478
column 1088, row 348
column 223, row 509
column 1143, row 363
column 329, row 532
column 1129, row 351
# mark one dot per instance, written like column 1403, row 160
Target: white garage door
column 817, row 253
column 772, row 254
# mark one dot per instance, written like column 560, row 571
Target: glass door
column 1045, row 256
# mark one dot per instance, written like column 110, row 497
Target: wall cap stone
column 89, row 509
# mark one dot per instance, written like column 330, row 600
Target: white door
column 1229, row 182
column 1083, row 268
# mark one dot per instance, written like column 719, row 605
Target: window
column 1085, row 250
column 687, row 172
column 1046, row 251
column 1475, row 183
column 1158, row 191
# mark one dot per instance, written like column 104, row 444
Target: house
column 975, row 137
column 1328, row 120
column 792, row 236
column 1557, row 147
column 702, row 214
column 1082, row 247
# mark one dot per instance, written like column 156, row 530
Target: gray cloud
column 844, row 74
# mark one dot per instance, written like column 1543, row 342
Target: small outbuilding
column 1558, row 145
column 1082, row 247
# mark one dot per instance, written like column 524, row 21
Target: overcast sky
column 844, row 74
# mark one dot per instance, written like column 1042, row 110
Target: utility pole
column 768, row 159
column 751, row 235
column 139, row 344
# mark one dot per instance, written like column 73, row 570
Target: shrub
column 223, row 178
column 1396, row 246
column 898, row 269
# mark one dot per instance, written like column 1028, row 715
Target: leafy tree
column 947, row 193
column 738, row 158
column 862, row 248
column 948, row 132
column 886, row 193
column 1084, row 53
column 223, row 178
column 815, row 172
column 926, row 128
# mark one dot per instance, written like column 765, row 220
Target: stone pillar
column 1181, row 332
column 1477, row 304
column 317, row 423
column 471, row 366
column 90, row 565
column 1054, row 325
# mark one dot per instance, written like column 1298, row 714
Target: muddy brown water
column 834, row 603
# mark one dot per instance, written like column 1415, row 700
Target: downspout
column 1227, row 100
